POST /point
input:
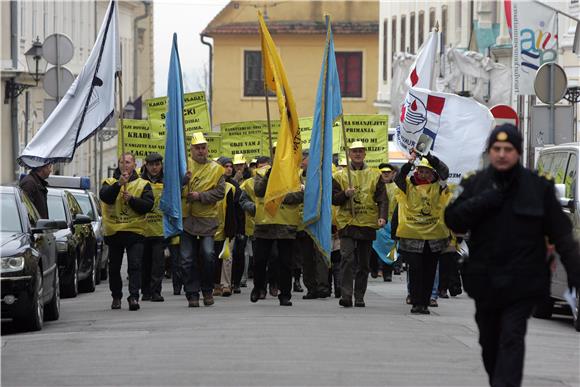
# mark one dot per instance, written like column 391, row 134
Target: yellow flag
column 288, row 156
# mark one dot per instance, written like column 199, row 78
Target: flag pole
column 436, row 30
column 121, row 130
column 348, row 172
column 269, row 123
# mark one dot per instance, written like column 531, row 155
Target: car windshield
column 9, row 217
column 85, row 204
column 56, row 208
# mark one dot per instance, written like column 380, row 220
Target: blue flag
column 318, row 187
column 175, row 163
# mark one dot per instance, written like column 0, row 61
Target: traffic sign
column 551, row 83
column 58, row 49
column 57, row 80
column 504, row 114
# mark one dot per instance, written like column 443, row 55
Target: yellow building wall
column 302, row 59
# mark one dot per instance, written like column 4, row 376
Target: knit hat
column 224, row 160
column 506, row 132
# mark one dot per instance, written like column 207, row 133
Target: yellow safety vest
column 287, row 214
column 366, row 212
column 204, row 178
column 248, row 187
column 222, row 205
column 421, row 212
column 120, row 216
column 154, row 219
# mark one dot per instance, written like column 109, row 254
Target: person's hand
column 126, row 196
column 124, row 178
column 301, row 187
column 193, row 196
column 382, row 222
column 349, row 192
column 187, row 177
column 412, row 155
column 238, row 176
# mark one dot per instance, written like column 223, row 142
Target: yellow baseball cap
column 356, row 145
column 239, row 159
column 386, row 169
column 198, row 138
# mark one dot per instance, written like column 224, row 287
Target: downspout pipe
column 147, row 13
column 14, row 101
column 210, row 86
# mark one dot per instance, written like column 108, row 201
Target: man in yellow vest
column 363, row 208
column 204, row 187
column 422, row 233
column 126, row 198
column 153, row 257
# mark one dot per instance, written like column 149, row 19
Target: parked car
column 79, row 186
column 29, row 272
column 91, row 206
column 75, row 245
column 562, row 163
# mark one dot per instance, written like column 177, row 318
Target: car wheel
column 52, row 309
column 544, row 308
column 33, row 315
column 70, row 289
column 88, row 284
column 577, row 318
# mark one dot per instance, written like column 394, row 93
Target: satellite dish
column 56, row 82
column 57, row 49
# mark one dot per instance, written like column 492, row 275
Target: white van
column 562, row 163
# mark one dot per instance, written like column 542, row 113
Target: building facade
column 25, row 110
column 299, row 31
column 475, row 25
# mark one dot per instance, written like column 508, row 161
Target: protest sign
column 140, row 139
column 372, row 130
column 242, row 137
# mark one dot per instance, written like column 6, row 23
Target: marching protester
column 278, row 231
column 126, row 199
column 242, row 173
column 509, row 212
column 314, row 268
column 363, row 208
column 422, row 233
column 226, row 231
column 34, row 185
column 153, row 255
column 383, row 245
column 204, row 188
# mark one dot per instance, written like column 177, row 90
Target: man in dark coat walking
column 34, row 185
column 509, row 211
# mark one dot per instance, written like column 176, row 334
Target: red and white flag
column 421, row 74
column 458, row 127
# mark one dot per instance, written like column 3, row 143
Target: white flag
column 535, row 42
column 458, row 126
column 88, row 104
column 421, row 74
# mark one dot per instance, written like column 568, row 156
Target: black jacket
column 35, row 189
column 509, row 216
column 141, row 205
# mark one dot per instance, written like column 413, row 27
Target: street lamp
column 36, row 68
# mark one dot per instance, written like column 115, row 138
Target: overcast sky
column 187, row 18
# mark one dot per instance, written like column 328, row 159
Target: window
column 10, row 219
column 421, row 28
column 572, row 177
column 253, row 74
column 385, row 48
column 431, row 19
column 412, row 33
column 403, row 33
column 349, row 66
column 55, row 208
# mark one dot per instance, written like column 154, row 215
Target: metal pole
column 269, row 123
column 552, row 130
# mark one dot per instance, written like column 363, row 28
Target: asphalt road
column 237, row 343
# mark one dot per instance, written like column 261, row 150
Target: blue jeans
column 197, row 264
